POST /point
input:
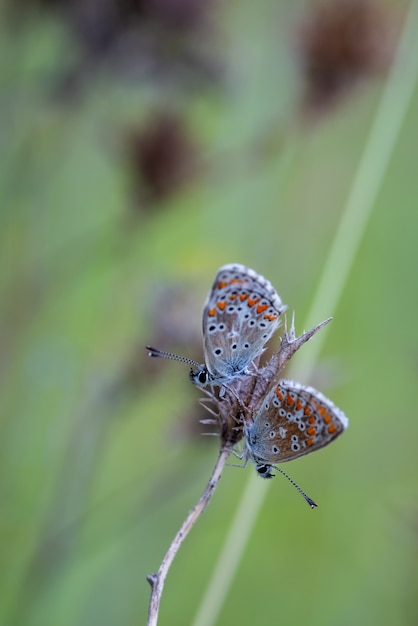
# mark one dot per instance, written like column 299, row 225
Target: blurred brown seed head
column 342, row 42
column 178, row 14
column 162, row 157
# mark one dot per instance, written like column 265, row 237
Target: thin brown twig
column 157, row 580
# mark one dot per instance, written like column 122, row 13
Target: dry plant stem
column 288, row 346
column 157, row 580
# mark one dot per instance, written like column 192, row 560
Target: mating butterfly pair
column 241, row 313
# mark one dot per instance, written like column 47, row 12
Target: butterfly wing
column 240, row 315
column 292, row 420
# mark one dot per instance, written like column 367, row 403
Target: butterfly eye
column 264, row 470
column 199, row 376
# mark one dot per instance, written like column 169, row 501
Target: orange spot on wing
column 307, row 411
column 221, row 305
column 271, row 318
column 327, row 417
column 262, row 307
column 311, row 419
column 237, row 281
column 299, row 404
column 310, row 441
column 289, row 400
column 253, row 301
column 243, row 296
column 311, row 430
column 222, row 284
column 212, row 312
column 332, row 429
column 279, row 394
column 233, row 296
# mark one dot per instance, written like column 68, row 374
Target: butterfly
column 241, row 313
column 292, row 420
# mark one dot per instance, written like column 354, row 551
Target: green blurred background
column 144, row 144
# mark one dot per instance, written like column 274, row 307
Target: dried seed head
column 340, row 44
column 162, row 156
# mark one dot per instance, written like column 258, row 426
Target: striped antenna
column 311, row 503
column 155, row 352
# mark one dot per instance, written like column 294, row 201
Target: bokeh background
column 144, row 143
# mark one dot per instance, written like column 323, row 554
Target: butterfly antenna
column 168, row 355
column 311, row 503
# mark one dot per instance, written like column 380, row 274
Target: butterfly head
column 200, row 376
